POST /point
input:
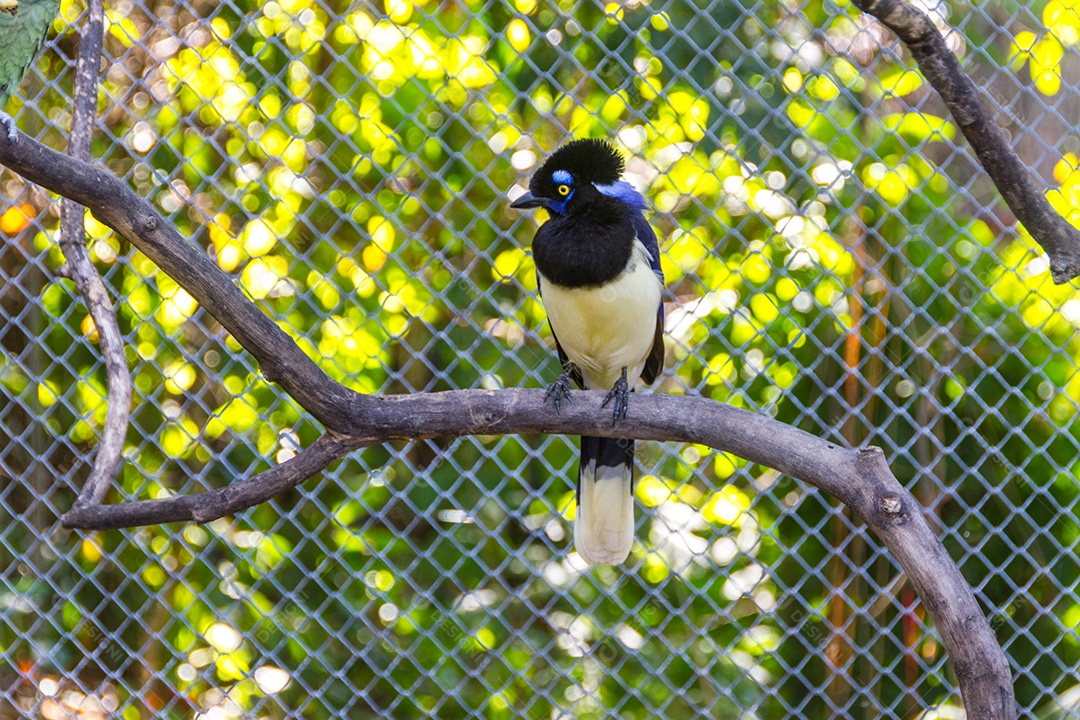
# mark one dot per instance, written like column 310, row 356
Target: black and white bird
column 598, row 271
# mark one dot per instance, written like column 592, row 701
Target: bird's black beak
column 528, row 200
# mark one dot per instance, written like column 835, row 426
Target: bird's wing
column 564, row 361
column 22, row 36
column 647, row 236
column 654, row 364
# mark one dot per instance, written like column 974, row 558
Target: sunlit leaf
column 920, row 127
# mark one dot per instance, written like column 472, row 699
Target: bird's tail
column 604, row 522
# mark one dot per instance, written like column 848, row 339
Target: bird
column 24, row 24
column 599, row 277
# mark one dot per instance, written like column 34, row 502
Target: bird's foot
column 560, row 390
column 8, row 123
column 621, row 395
column 11, row 7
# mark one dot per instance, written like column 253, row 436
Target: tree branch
column 207, row 506
column 1058, row 238
column 85, row 276
column 859, row 478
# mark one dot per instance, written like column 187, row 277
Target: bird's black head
column 574, row 176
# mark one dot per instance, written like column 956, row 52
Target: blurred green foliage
column 833, row 260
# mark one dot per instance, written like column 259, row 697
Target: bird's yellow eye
column 564, row 190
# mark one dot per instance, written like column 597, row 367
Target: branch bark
column 859, row 478
column 939, row 65
column 80, row 269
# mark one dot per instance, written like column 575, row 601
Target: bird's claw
column 559, row 390
column 620, row 393
column 8, row 123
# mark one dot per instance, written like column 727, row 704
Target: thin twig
column 211, row 505
column 82, row 271
column 1058, row 238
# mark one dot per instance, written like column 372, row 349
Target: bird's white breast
column 604, row 329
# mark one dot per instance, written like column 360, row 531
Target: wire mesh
column 833, row 257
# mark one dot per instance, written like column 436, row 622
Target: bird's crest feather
column 594, row 161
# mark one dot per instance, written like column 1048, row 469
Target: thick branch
column 1058, row 238
column 81, row 270
column 859, row 478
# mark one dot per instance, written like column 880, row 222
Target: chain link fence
column 834, row 259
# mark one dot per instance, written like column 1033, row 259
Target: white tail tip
column 604, row 522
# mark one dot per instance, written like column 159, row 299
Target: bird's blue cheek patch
column 560, row 207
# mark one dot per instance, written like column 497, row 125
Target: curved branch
column 86, row 278
column 1058, row 238
column 858, row 478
